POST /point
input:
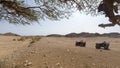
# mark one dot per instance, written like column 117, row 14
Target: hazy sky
column 76, row 23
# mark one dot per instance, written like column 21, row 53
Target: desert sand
column 58, row 52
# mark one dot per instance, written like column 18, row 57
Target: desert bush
column 6, row 64
column 3, row 64
column 32, row 42
column 21, row 39
column 14, row 39
column 36, row 38
column 86, row 65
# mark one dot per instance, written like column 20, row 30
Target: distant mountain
column 72, row 35
column 10, row 34
column 0, row 34
column 111, row 34
column 85, row 34
column 55, row 35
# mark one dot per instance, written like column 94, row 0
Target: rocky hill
column 85, row 34
column 10, row 34
column 55, row 35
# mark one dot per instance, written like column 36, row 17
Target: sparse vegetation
column 32, row 39
column 14, row 39
column 60, row 52
column 3, row 64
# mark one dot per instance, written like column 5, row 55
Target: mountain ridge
column 86, row 34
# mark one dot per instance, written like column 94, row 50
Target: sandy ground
column 58, row 52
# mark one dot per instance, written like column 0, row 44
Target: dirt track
column 59, row 52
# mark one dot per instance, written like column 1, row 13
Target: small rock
column 58, row 64
column 13, row 65
column 52, row 67
column 44, row 55
column 72, row 59
column 101, row 50
column 45, row 63
column 89, row 56
column 93, row 64
column 68, row 50
column 46, row 67
column 61, row 67
column 32, row 52
column 27, row 63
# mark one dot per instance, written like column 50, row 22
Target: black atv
column 104, row 45
column 81, row 43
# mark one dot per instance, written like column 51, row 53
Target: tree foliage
column 21, row 12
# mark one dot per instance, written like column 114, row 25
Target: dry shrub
column 33, row 40
column 14, row 39
column 2, row 64
column 36, row 38
column 21, row 39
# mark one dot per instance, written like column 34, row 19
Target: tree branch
column 106, row 25
column 35, row 6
